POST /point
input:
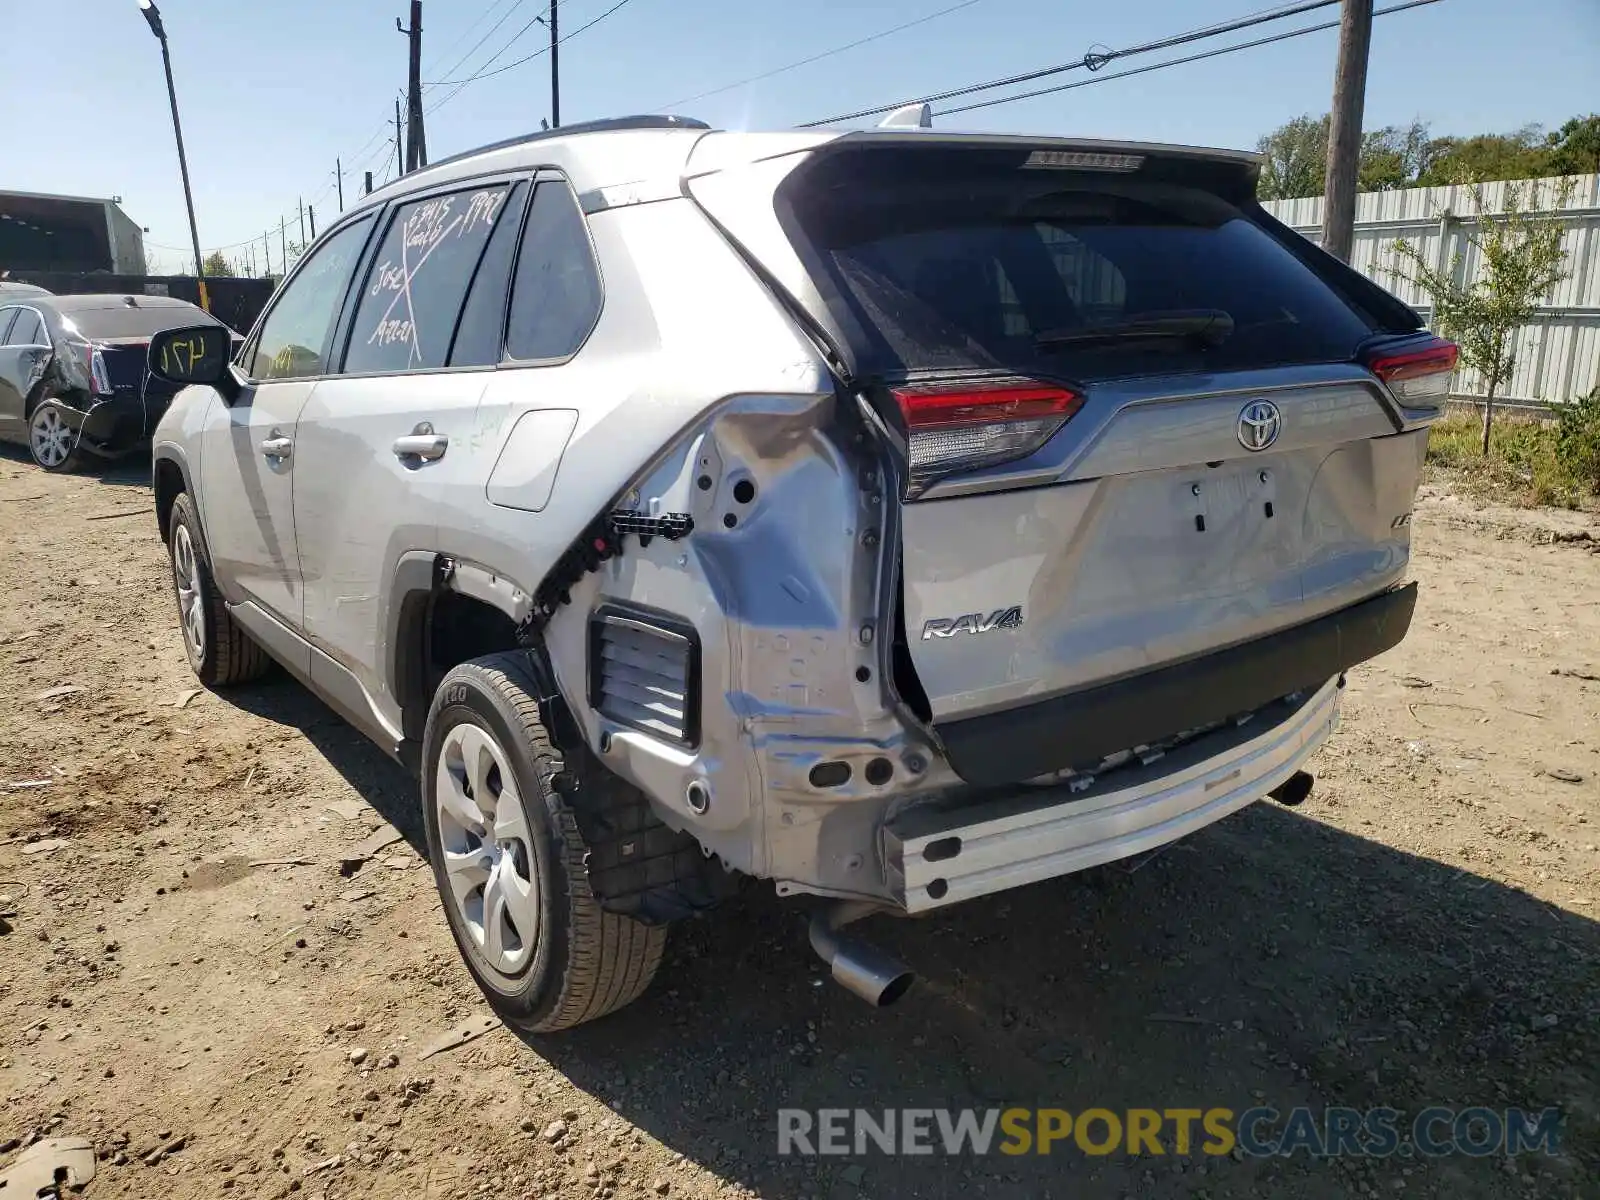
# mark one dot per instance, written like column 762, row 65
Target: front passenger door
column 248, row 461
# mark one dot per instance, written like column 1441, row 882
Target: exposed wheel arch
column 168, row 481
column 640, row 867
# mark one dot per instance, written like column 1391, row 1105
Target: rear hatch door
column 1137, row 422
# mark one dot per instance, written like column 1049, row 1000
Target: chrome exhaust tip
column 1293, row 791
column 859, row 967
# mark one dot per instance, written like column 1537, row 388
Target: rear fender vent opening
column 644, row 672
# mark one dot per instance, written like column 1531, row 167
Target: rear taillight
column 1417, row 372
column 954, row 428
column 98, row 373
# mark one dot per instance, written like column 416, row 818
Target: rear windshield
column 132, row 322
column 1077, row 274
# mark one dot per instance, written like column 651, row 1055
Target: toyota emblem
column 1259, row 424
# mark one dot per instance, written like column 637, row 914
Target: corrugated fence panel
column 1558, row 355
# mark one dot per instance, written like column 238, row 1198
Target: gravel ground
column 187, row 978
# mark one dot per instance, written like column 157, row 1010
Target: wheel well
column 168, row 480
column 439, row 630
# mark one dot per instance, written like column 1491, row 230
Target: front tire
column 55, row 445
column 510, row 862
column 220, row 653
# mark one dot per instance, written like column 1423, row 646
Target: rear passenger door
column 377, row 442
column 10, row 396
column 22, row 332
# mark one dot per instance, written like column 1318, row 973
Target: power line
column 529, row 58
column 467, row 32
column 1093, row 60
column 511, row 41
column 805, row 62
column 1174, row 62
column 456, row 66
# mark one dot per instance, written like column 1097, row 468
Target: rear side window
column 28, row 330
column 418, row 282
column 555, row 300
column 1061, row 274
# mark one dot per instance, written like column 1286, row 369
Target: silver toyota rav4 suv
column 897, row 516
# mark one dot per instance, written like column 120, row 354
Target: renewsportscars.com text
column 1258, row 1132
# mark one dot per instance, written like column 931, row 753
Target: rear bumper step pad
column 1083, row 727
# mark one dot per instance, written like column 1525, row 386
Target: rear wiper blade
column 1207, row 325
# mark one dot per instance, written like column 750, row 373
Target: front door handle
column 277, row 448
column 424, row 446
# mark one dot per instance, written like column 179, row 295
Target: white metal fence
column 1558, row 356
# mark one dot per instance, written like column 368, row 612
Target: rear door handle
column 277, row 448
column 424, row 446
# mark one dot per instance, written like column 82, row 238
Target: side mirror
column 198, row 354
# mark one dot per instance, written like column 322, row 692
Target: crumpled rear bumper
column 109, row 426
column 936, row 857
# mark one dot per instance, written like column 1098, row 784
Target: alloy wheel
column 487, row 847
column 191, row 596
column 52, row 440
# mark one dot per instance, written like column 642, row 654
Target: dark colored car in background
column 74, row 380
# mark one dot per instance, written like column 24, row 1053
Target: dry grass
column 1522, row 467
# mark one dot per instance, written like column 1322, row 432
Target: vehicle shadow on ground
column 131, row 471
column 381, row 782
column 1269, row 960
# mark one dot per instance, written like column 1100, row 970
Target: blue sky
column 271, row 91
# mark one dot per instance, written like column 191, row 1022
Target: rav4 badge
column 1000, row 618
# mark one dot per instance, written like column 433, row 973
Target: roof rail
column 604, row 125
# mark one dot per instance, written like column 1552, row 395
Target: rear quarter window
column 1010, row 272
column 556, row 295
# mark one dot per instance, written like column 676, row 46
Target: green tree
column 1487, row 156
column 1574, row 149
column 1394, row 157
column 1520, row 259
column 1296, row 156
column 216, row 264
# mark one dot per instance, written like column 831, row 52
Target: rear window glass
column 133, row 322
column 1061, row 274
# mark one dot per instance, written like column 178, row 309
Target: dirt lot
column 184, row 960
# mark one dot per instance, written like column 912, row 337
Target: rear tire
column 55, row 446
column 511, row 863
column 220, row 653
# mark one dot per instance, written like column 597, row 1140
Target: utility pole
column 417, row 138
column 152, row 16
column 555, row 69
column 338, row 175
column 283, row 243
column 313, row 211
column 266, row 249
column 399, row 159
column 1344, row 129
column 302, row 222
